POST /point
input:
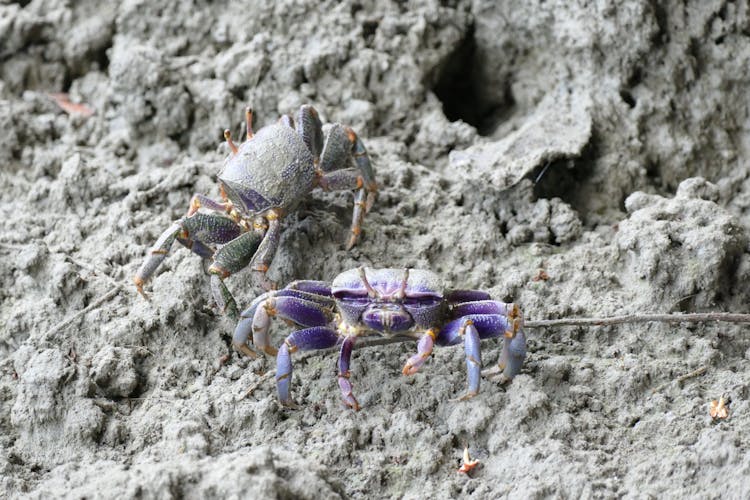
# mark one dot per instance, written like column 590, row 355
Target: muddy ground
column 580, row 158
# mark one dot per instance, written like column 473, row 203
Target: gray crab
column 363, row 302
column 262, row 180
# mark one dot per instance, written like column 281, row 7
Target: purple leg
column 344, row 384
column 466, row 330
column 473, row 360
column 484, row 307
column 311, row 286
column 300, row 311
column 424, row 350
column 492, row 326
column 466, row 295
column 513, row 354
column 318, row 337
column 244, row 328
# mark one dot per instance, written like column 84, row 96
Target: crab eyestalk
column 371, row 292
column 230, row 142
column 402, row 291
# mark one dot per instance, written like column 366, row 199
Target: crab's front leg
column 318, row 337
column 229, row 259
column 345, row 356
column 302, row 308
column 424, row 350
column 195, row 232
column 267, row 249
column 341, row 146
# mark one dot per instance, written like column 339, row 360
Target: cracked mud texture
column 605, row 143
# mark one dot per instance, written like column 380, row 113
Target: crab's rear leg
column 341, row 146
column 318, row 337
column 195, row 232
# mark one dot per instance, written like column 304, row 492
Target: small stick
column 642, row 318
column 70, row 319
column 681, row 378
column 269, row 374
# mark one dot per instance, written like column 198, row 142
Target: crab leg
column 318, row 337
column 485, row 307
column 245, row 327
column 341, row 144
column 466, row 296
column 267, row 250
column 341, row 180
column 310, row 128
column 492, row 326
column 345, row 385
column 229, row 259
column 300, row 311
column 424, row 350
column 193, row 232
column 203, row 201
column 311, row 286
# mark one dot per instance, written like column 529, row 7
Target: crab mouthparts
column 387, row 319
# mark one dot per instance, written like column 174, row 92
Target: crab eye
column 426, row 301
column 352, row 298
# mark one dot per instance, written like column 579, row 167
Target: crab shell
column 274, row 169
column 390, row 301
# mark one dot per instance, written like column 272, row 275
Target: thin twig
column 642, row 318
column 70, row 319
column 269, row 374
column 681, row 378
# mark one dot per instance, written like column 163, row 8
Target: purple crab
column 262, row 180
column 363, row 302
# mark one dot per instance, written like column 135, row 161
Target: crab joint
column 462, row 331
column 468, row 464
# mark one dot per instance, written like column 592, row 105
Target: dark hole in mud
column 627, row 98
column 563, row 177
column 461, row 89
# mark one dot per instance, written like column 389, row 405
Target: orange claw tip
column 718, row 409
column 468, row 464
column 139, row 285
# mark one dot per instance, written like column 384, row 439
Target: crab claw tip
column 139, row 286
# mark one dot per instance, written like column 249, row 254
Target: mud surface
column 606, row 146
